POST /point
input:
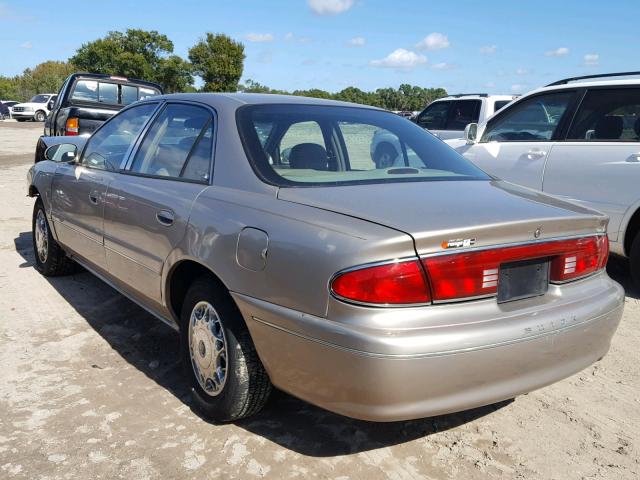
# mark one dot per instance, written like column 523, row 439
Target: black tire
column 21, row 119
column 55, row 261
column 246, row 387
column 634, row 260
column 384, row 155
column 39, row 116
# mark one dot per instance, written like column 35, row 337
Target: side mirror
column 50, row 104
column 64, row 152
column 471, row 133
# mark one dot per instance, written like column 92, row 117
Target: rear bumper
column 417, row 372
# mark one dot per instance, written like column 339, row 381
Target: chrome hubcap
column 208, row 348
column 42, row 237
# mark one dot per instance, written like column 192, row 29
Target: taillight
column 475, row 273
column 391, row 283
column 463, row 275
column 71, row 127
column 588, row 256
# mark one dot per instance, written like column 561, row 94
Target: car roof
column 236, row 100
column 587, row 84
column 115, row 78
column 463, row 96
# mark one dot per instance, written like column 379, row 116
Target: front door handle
column 533, row 154
column 165, row 217
column 93, row 198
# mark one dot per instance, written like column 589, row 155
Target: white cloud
column 358, row 41
column 259, row 37
column 558, row 52
column 330, row 7
column 591, row 59
column 518, row 87
column 400, row 59
column 26, row 45
column 488, row 49
column 442, row 66
column 433, row 41
column 522, row 71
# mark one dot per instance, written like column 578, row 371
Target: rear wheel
column 50, row 258
column 227, row 379
column 40, row 116
column 634, row 260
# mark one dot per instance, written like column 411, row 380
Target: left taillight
column 396, row 283
column 71, row 126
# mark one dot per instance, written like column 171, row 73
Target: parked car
column 447, row 117
column 578, row 139
column 35, row 109
column 5, row 108
column 378, row 293
column 86, row 100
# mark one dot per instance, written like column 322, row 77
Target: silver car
column 381, row 293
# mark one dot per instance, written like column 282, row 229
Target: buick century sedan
column 261, row 228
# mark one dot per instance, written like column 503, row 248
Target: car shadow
column 153, row 348
column 618, row 269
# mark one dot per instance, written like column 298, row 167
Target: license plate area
column 523, row 279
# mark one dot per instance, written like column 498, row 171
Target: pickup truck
column 86, row 100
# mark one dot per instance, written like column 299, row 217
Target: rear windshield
column 111, row 93
column 306, row 145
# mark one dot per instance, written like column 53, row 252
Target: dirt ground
column 91, row 388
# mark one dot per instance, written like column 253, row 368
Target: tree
column 136, row 53
column 219, row 61
column 46, row 77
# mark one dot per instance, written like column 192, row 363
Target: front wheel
column 39, row 116
column 634, row 260
column 227, row 379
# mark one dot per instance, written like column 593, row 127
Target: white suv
column 578, row 139
column 447, row 117
column 35, row 109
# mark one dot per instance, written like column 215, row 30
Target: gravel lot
column 91, row 388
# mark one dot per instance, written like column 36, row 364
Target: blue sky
column 463, row 46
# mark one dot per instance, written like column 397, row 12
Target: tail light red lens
column 463, row 275
column 71, row 126
column 392, row 283
column 475, row 273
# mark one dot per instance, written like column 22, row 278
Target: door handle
column 93, row 198
column 533, row 154
column 165, row 217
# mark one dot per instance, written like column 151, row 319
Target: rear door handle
column 165, row 217
column 93, row 198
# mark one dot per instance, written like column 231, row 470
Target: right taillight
column 468, row 274
column 71, row 126
column 587, row 256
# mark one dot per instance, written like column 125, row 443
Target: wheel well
column 33, row 191
column 632, row 231
column 180, row 279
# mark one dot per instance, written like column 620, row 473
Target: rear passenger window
column 178, row 144
column 608, row 115
column 108, row 93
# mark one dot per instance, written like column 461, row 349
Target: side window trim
column 125, row 167
column 128, row 152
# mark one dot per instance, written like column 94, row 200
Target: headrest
column 608, row 127
column 308, row 155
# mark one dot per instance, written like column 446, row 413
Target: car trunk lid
column 443, row 215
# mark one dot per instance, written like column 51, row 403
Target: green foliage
column 138, row 54
column 46, row 77
column 218, row 60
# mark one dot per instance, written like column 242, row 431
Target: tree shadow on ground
column 141, row 340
